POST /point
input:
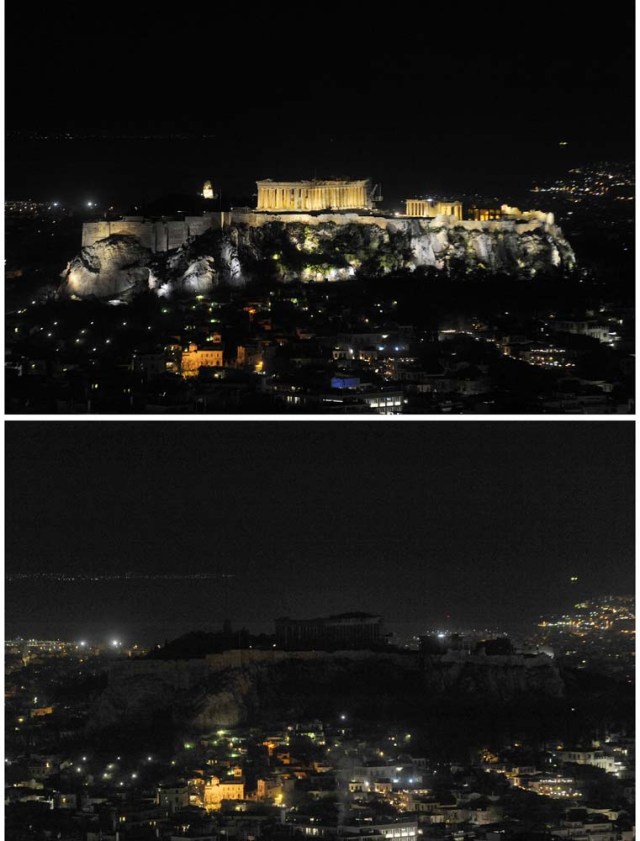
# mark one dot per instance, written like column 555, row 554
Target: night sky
column 438, row 97
column 441, row 523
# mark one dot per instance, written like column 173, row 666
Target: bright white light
column 115, row 643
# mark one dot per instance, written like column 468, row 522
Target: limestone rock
column 316, row 250
column 110, row 268
column 200, row 695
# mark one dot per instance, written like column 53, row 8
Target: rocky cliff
column 500, row 678
column 200, row 698
column 282, row 251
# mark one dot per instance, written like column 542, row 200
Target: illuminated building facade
column 428, row 209
column 485, row 214
column 393, row 830
column 216, row 790
column 194, row 358
column 314, row 195
column 344, row 631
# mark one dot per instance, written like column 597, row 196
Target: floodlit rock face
column 522, row 249
column 111, row 268
column 204, row 694
column 323, row 250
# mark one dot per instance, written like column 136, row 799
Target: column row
column 311, row 198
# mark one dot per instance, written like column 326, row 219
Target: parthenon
column 314, row 195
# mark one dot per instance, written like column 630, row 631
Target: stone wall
column 184, row 674
column 255, row 219
column 238, row 658
column 167, row 235
column 179, row 674
column 162, row 235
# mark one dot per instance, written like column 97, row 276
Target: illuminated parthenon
column 428, row 209
column 314, row 195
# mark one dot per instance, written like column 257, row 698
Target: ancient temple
column 428, row 209
column 301, row 196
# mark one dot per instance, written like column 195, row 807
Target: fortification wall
column 143, row 231
column 162, row 235
column 180, row 674
column 93, row 231
column 165, row 235
column 392, row 223
column 197, row 225
column 184, row 674
column 238, row 658
column 257, row 220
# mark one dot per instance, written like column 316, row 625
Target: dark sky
column 422, row 97
column 479, row 522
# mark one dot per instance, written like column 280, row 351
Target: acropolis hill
column 312, row 231
column 237, row 687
